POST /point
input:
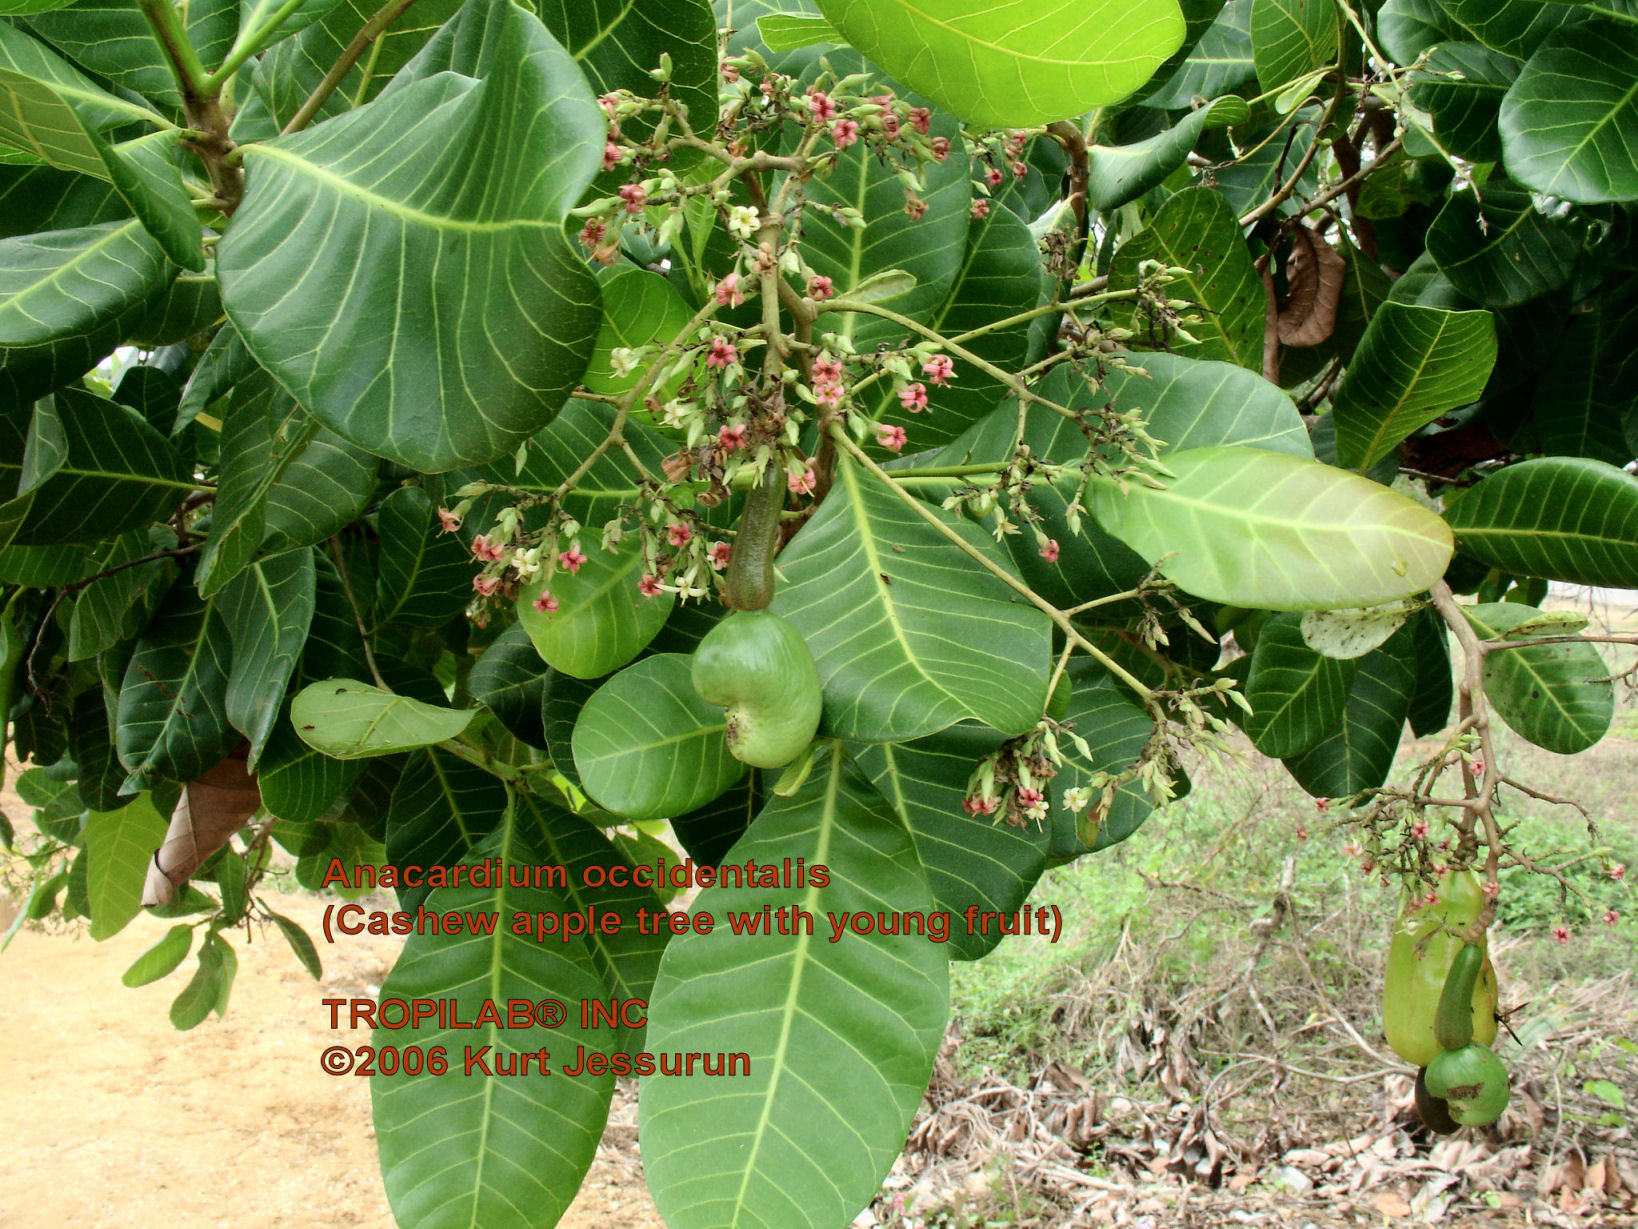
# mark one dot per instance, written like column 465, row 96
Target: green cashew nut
column 756, row 666
column 1473, row 1081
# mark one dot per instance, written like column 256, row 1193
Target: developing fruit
column 1426, row 941
column 756, row 666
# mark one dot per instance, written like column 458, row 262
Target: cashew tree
column 839, row 457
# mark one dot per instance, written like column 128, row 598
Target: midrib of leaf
column 1410, row 386
column 602, row 34
column 857, row 237
column 997, row 48
column 810, row 901
column 1609, row 117
column 449, row 793
column 387, row 204
column 510, row 820
column 182, row 684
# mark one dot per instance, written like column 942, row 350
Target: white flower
column 1076, row 799
column 744, row 220
column 623, row 360
column 527, row 562
column 676, row 414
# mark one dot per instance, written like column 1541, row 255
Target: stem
column 247, row 47
column 358, row 618
column 191, row 78
column 354, row 51
column 475, row 755
column 202, row 102
column 180, row 552
column 1290, row 185
column 845, row 442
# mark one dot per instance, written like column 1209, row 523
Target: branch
column 1290, row 185
column 373, row 29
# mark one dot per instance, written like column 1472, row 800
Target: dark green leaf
column 1435, row 688
column 1512, row 27
column 1219, row 64
column 441, row 810
column 113, row 39
column 1501, row 252
column 268, row 608
column 1296, row 696
column 1358, row 754
column 1122, row 173
column 1461, row 86
column 510, row 681
column 1558, row 696
column 300, row 943
column 1292, row 38
column 424, row 575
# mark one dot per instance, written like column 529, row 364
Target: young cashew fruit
column 756, row 666
column 1433, row 1111
column 1426, row 941
column 1472, row 1081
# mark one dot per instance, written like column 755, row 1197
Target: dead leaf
column 212, row 808
column 1391, row 1203
column 1314, row 276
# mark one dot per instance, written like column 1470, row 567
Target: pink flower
column 980, row 208
column 719, row 555
column 1019, row 170
column 820, row 288
column 1618, row 872
column 730, row 74
column 941, row 148
column 1431, row 899
column 608, row 102
column 448, row 522
column 571, row 559
column 844, row 132
column 822, row 106
column 914, row 397
column 828, row 394
column 732, row 438
column 770, row 83
column 1302, row 833
column 489, row 552
column 890, row 438
column 591, row 234
column 1478, row 768
column 803, row 483
column 1322, row 805
column 722, row 353
column 634, row 197
column 1561, row 934
column 1490, row 889
column 728, row 293
column 978, row 806
column 649, row 586
column 678, row 534
column 1611, row 917
column 937, row 368
column 1028, row 797
column 1049, row 552
column 993, row 177
column 1419, row 830
column 890, row 125
column 826, row 367
column 546, row 603
column 486, row 585
column 921, row 119
column 613, row 155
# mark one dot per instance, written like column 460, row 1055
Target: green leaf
column 1512, row 27
column 1273, row 532
column 1349, row 633
column 300, row 943
column 1557, row 696
column 442, row 808
column 602, row 621
column 65, row 297
column 297, row 782
column 1292, row 38
column 562, row 698
column 908, row 636
column 112, row 39
column 998, row 68
column 510, row 681
column 172, row 715
column 162, row 959
column 1462, row 86
column 1407, row 28
column 260, row 23
column 1583, row 395
column 268, row 608
column 1192, row 403
column 1358, row 754
column 90, row 469
column 448, row 190
column 841, row 1036
column 1297, row 696
column 207, row 990
column 1219, row 64
column 119, row 845
column 1563, row 518
column 1435, row 691
column 647, row 747
column 968, row 859
column 91, row 744
column 627, row 959
column 424, row 575
column 348, row 720
column 1413, row 364
column 1122, row 173
column 510, row 1152
column 1501, row 252
column 793, row 31
column 1197, row 230
column 146, row 175
column 639, row 309
column 1575, row 140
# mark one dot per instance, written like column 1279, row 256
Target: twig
column 354, row 51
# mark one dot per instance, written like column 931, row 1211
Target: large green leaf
column 442, row 808
column 509, row 679
column 1407, row 28
column 346, row 719
column 1001, row 68
column 909, row 638
column 1220, row 62
column 263, row 22
column 1501, row 251
column 1292, row 38
column 424, row 575
column 1193, row 403
column 1435, row 690
column 1564, row 518
column 627, row 959
column 66, row 297
column 1274, row 532
column 647, row 747
column 119, row 845
column 268, row 608
column 1462, row 86
column 172, row 715
column 1583, row 395
column 1358, row 754
column 90, row 469
column 602, row 621
column 1567, row 122
column 968, row 859
column 441, row 206
column 504, row 1153
column 639, row 309
column 1296, row 695
column 113, row 39
column 1558, row 696
column 841, row 1036
column 1196, row 230
column 297, row 782
column 1512, row 27
column 1413, row 364
column 1122, row 173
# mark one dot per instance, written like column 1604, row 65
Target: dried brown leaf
column 1314, row 276
column 212, row 808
